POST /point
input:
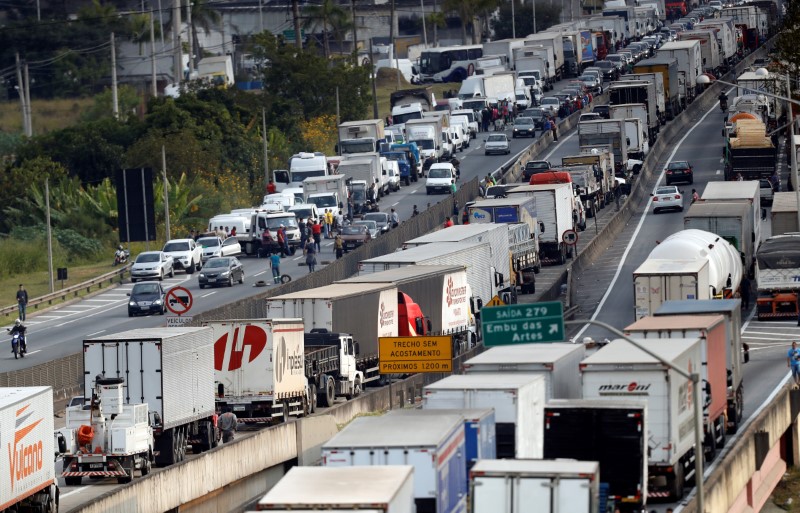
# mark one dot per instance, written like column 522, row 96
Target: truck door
column 491, row 494
column 534, row 490
column 572, row 495
column 347, row 359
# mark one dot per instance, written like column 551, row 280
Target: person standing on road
column 311, row 255
column 275, row 265
column 338, row 246
column 328, row 223
column 316, row 231
column 455, row 211
column 22, row 301
column 227, row 424
column 453, row 187
column 394, row 218
column 793, row 362
column 744, row 289
column 282, row 241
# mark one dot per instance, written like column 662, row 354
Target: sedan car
column 496, row 143
column 215, row 246
column 766, row 191
column 354, row 236
column 591, row 82
column 152, row 264
column 538, row 115
column 145, row 298
column 603, row 110
column 380, row 218
column 679, row 171
column 524, row 127
column 550, row 104
column 667, row 198
column 221, row 271
column 372, row 227
column 609, row 69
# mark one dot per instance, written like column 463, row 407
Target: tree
column 326, row 15
column 127, row 99
column 16, row 180
column 139, row 30
column 788, row 60
column 206, row 17
column 547, row 15
column 467, row 11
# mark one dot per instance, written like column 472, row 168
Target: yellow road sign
column 405, row 355
column 495, row 301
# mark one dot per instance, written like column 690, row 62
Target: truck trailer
column 731, row 220
column 556, row 213
column 736, row 191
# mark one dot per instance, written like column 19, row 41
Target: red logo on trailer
column 253, row 337
column 24, row 459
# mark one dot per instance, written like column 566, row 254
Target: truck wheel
column 147, row 464
column 356, row 390
column 710, row 446
column 312, row 398
column 166, row 448
column 130, row 470
column 72, row 481
column 329, row 394
column 676, row 490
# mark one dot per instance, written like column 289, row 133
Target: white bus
column 449, row 63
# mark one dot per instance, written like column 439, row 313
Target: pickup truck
column 532, row 167
column 185, row 253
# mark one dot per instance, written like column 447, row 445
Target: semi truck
column 513, row 486
column 106, row 438
column 157, row 364
column 585, row 185
column 27, row 462
column 431, row 300
column 433, row 444
column 736, row 191
column 636, row 129
column 690, row 264
column 711, row 331
column 736, row 352
column 558, row 363
column 690, row 62
column 621, row 371
column 343, row 308
column 638, row 92
column 730, row 220
column 603, row 161
column 537, row 58
column 360, row 136
column 778, row 277
column 724, row 29
column 660, row 96
column 606, row 133
column 390, row 490
column 556, row 213
column 750, row 152
column 668, row 68
column 326, row 191
column 518, row 401
column 611, row 432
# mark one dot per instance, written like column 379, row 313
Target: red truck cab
column 413, row 322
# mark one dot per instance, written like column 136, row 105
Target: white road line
column 639, row 226
column 395, row 204
column 69, row 311
column 209, row 294
column 412, row 192
column 101, row 300
column 34, row 352
column 296, row 259
column 259, row 274
column 78, row 490
column 95, row 333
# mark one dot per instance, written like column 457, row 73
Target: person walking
column 22, row 301
column 316, row 231
column 394, row 218
column 303, row 232
column 744, row 290
column 328, row 223
column 282, row 241
column 338, row 246
column 311, row 255
column 554, row 129
column 414, row 212
column 275, row 265
column 227, row 424
column 453, row 187
column 455, row 210
column 793, row 362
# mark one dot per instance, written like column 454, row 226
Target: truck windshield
column 358, row 195
column 299, row 176
column 474, row 105
column 275, row 222
column 323, row 201
column 424, row 144
column 402, row 118
column 357, row 146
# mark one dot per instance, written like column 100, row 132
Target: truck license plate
column 238, row 408
column 95, row 465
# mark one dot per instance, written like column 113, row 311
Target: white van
column 285, row 200
column 227, row 222
column 472, row 120
column 460, row 139
column 392, row 171
column 463, row 122
column 305, row 211
column 523, row 98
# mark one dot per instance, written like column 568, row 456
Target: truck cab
column 269, row 221
column 413, row 322
column 301, row 166
column 330, row 367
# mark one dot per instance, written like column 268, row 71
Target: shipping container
column 735, row 191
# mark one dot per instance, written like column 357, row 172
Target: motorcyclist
column 119, row 256
column 21, row 329
column 415, row 211
column 723, row 101
column 456, row 164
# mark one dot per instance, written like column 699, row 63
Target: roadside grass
column 386, row 84
column 47, row 115
column 787, row 494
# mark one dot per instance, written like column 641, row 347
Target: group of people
column 498, row 115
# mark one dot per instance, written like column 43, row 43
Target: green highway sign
column 289, row 34
column 522, row 324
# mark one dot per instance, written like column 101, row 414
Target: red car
column 679, row 171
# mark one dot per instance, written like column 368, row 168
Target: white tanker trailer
column 690, row 264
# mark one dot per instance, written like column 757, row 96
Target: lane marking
column 259, row 274
column 209, row 294
column 95, row 333
column 34, row 352
column 395, row 204
column 82, row 488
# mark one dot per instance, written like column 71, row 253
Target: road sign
column 178, row 321
column 522, row 324
column 289, row 34
column 405, row 355
column 495, row 301
column 569, row 237
column 179, row 300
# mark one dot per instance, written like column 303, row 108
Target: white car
column 186, row 254
column 152, row 264
column 440, row 177
column 496, row 143
column 455, row 138
column 667, row 198
column 551, row 104
column 215, row 247
column 392, row 170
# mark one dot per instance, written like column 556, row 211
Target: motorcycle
column 121, row 256
column 19, row 345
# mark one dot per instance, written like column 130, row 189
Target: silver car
column 496, row 143
column 152, row 264
column 372, row 227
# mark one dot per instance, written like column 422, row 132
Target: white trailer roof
column 679, row 45
column 333, row 291
column 539, row 187
column 536, row 467
column 676, row 322
column 14, row 395
column 482, row 382
column 428, row 251
column 784, row 202
column 470, row 414
column 395, row 431
column 621, row 351
column 149, row 334
column 525, row 353
column 660, row 266
column 502, row 202
column 337, row 486
column 404, row 274
column 457, row 233
column 731, row 190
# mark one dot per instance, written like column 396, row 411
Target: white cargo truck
column 360, row 136
column 376, row 172
column 605, row 134
column 158, row 364
column 555, row 212
column 326, row 191
column 390, row 490
column 690, row 61
column 709, row 48
column 554, row 41
column 364, row 310
column 635, row 129
column 500, row 86
column 738, row 191
column 26, row 462
column 427, row 134
column 553, row 486
column 730, row 220
column 725, row 32
column 620, row 371
column 558, row 363
column 518, row 401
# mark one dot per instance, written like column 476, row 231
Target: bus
column 449, row 63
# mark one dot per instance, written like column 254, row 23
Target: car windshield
column 521, row 97
column 376, row 217
column 587, row 78
column 148, row 257
column 536, row 113
column 524, row 121
column 604, row 64
column 276, row 222
column 438, row 172
column 372, row 225
column 678, row 165
column 208, row 242
column 496, row 190
column 537, row 165
column 145, row 288
column 218, row 262
column 176, row 246
column 496, row 138
column 354, row 230
column 666, row 190
column 548, row 101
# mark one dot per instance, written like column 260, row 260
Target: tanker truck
column 708, row 268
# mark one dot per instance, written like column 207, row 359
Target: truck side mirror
column 541, row 227
column 418, row 326
column 357, row 348
column 62, row 444
column 745, row 352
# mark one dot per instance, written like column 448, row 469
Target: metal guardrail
column 74, row 290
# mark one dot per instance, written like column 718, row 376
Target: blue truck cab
column 412, row 152
column 403, row 163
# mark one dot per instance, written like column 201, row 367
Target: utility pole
column 533, row 8
column 49, row 233
column 435, row 28
column 177, row 59
column 114, row 93
column 338, row 121
column 298, row 41
column 261, row 15
column 28, row 101
column 21, row 91
column 153, row 84
column 424, row 30
column 355, row 34
column 166, row 191
column 266, row 148
column 513, row 21
column 39, row 18
column 374, row 86
column 191, row 35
